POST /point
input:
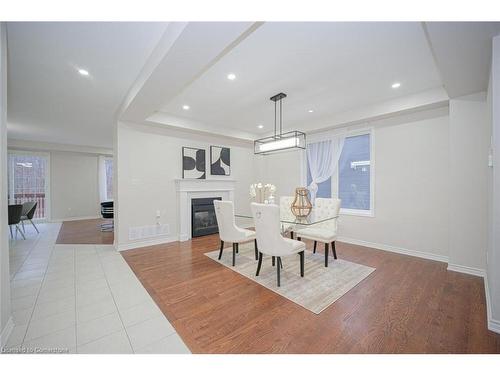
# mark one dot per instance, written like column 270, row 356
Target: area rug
column 319, row 288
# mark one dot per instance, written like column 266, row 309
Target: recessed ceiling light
column 260, row 126
column 395, row 85
column 231, row 76
column 185, row 107
column 83, row 72
column 310, row 111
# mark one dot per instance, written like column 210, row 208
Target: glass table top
column 314, row 217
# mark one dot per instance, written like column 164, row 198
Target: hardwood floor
column 84, row 232
column 408, row 305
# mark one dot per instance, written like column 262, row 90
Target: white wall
column 411, row 185
column 149, row 159
column 5, row 312
column 281, row 169
column 493, row 260
column 470, row 135
column 74, row 185
column 430, row 187
column 410, row 188
column 74, row 177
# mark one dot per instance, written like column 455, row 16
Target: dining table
column 289, row 222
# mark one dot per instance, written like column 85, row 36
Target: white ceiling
column 49, row 101
column 463, row 54
column 340, row 70
column 327, row 67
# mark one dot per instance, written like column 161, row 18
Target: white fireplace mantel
column 187, row 189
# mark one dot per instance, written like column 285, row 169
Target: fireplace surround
column 189, row 189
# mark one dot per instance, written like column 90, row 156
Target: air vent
column 148, row 231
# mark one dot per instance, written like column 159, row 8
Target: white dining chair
column 286, row 206
column 270, row 240
column 325, row 232
column 228, row 231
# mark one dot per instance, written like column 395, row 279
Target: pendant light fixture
column 280, row 141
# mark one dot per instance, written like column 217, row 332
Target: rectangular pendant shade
column 286, row 141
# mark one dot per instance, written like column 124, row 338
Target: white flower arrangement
column 262, row 193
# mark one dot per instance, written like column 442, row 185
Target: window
column 354, row 173
column 28, row 180
column 108, row 163
column 105, row 178
column 352, row 182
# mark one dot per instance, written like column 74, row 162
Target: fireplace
column 203, row 220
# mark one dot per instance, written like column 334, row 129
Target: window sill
column 352, row 212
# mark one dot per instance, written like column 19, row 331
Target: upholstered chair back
column 228, row 231
column 286, row 204
column 267, row 228
column 327, row 207
column 28, row 209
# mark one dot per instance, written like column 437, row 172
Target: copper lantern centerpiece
column 301, row 206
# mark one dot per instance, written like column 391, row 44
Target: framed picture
column 193, row 163
column 220, row 161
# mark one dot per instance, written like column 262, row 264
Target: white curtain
column 102, row 179
column 323, row 159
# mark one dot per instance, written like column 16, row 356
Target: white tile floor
column 81, row 299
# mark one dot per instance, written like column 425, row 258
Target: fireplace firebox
column 203, row 220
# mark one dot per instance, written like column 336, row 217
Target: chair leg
column 280, row 263
column 221, row 248
column 298, row 238
column 334, row 251
column 237, row 248
column 22, row 224
column 291, row 234
column 326, row 255
column 20, row 231
column 301, row 264
column 234, row 254
column 32, row 223
column 259, row 265
column 11, row 234
column 278, row 268
column 273, row 260
column 256, row 249
column 315, row 243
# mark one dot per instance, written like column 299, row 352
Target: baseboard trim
column 493, row 324
column 145, row 243
column 75, row 218
column 465, row 269
column 394, row 249
column 4, row 335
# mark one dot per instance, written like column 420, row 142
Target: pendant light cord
column 281, row 117
column 275, row 120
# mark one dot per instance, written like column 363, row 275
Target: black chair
column 15, row 211
column 29, row 209
column 107, row 212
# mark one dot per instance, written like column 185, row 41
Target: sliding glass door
column 28, row 175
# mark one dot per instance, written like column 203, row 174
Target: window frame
column 48, row 200
column 335, row 178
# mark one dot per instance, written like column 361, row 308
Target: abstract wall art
column 193, row 163
column 220, row 161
